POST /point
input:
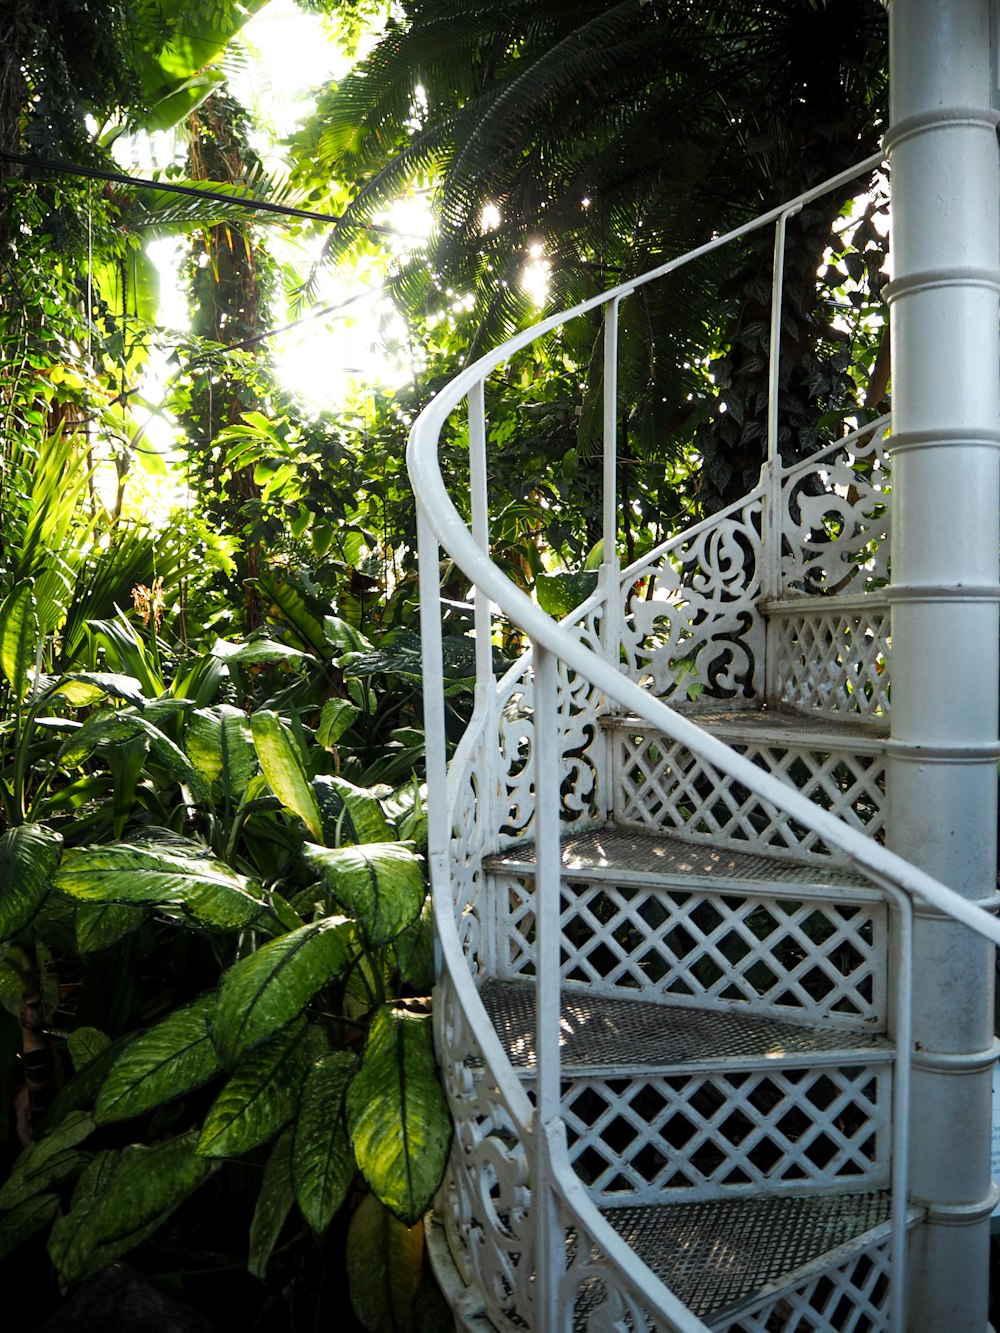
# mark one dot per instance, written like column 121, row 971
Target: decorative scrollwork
column 691, row 620
column 835, row 519
column 486, row 1196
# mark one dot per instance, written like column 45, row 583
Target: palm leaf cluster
column 608, row 137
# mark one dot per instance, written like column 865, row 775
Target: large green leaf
column 397, row 1115
column 262, row 1094
column 349, row 813
column 86, row 1044
column 323, row 1163
column 29, row 856
column 165, row 1062
column 384, row 1264
column 337, row 716
column 258, row 652
column 220, row 745
column 19, row 635
column 109, row 727
column 179, row 39
column 415, row 951
column 48, row 1161
column 99, row 925
column 180, row 875
column 266, row 990
column 285, row 769
column 24, row 1220
column 274, row 1203
column 298, row 610
column 81, row 1090
column 381, row 884
column 84, row 688
column 561, row 592
column 119, row 1208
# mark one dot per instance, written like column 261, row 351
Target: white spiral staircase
column 676, row 968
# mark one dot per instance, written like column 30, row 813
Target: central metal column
column 945, row 315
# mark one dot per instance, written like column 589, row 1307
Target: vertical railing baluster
column 432, row 658
column 550, row 1246
column 479, row 497
column 610, row 574
column 772, row 518
column 902, row 1031
column 610, row 564
column 486, row 694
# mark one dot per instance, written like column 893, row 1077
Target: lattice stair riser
column 851, row 1298
column 830, row 662
column 661, row 785
column 678, row 1137
column 820, row 961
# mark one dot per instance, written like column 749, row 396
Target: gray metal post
column 945, row 308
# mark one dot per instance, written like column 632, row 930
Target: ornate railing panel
column 853, row 1297
column 662, row 784
column 582, row 746
column 670, row 1138
column 835, row 517
column 691, row 616
column 486, row 1195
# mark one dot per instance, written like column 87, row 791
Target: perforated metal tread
column 601, row 1032
column 716, row 1255
column 650, row 857
column 787, row 726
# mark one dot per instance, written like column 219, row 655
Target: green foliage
column 383, row 1265
column 123, row 1198
column 293, row 999
column 398, row 1085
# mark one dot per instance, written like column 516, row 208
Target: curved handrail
column 440, row 525
column 877, row 862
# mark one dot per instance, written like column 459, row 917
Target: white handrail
column 441, row 525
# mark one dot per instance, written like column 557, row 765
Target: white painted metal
column 547, row 778
column 511, row 1177
column 946, row 431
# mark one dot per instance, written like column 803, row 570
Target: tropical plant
column 603, row 139
column 291, row 1044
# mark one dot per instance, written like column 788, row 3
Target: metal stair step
column 720, row 1256
column 653, row 916
column 821, row 604
column 838, row 763
column 629, row 854
column 785, row 728
column 601, row 1034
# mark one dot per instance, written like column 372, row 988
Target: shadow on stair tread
column 600, row 1032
